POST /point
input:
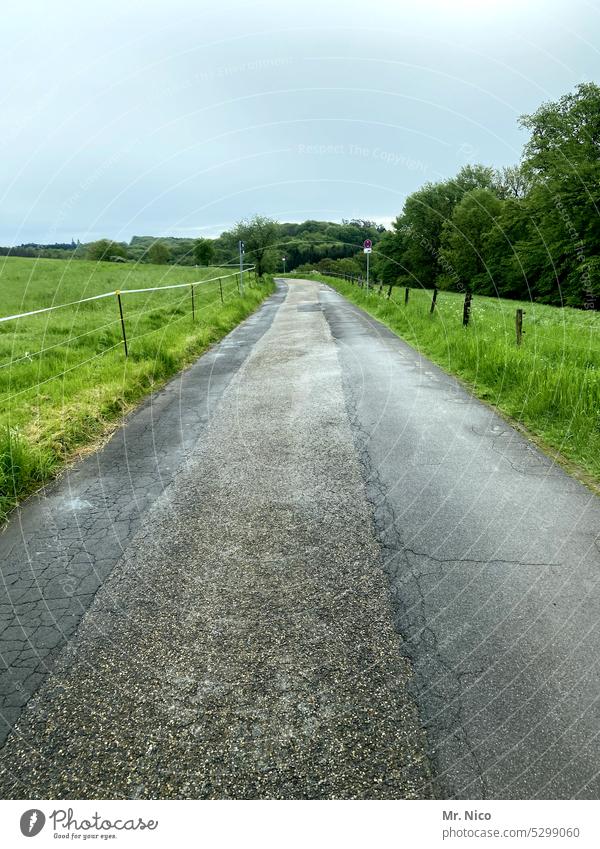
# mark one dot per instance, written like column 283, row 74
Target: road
column 307, row 548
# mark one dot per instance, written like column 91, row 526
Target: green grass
column 64, row 379
column 550, row 384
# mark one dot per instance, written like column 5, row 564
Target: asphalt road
column 243, row 646
column 307, row 547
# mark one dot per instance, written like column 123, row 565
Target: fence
column 466, row 313
column 118, row 293
column 36, row 371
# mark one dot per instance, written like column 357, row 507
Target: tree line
column 529, row 231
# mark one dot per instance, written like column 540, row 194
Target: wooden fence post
column 193, row 305
column 519, row 326
column 433, row 299
column 221, row 288
column 389, row 294
column 406, row 294
column 467, row 309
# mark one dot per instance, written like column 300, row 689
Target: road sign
column 367, row 243
column 367, row 250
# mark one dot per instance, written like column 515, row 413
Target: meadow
column 550, row 383
column 64, row 379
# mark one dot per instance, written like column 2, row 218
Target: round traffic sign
column 367, row 243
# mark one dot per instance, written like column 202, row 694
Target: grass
column 64, row 379
column 550, row 384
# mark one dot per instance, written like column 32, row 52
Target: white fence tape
column 57, row 307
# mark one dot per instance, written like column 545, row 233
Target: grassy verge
column 550, row 384
column 64, row 379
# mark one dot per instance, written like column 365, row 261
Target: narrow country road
column 307, row 548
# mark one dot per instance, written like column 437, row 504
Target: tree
column 260, row 235
column 512, row 182
column 158, row 253
column 419, row 229
column 562, row 160
column 510, row 261
column 388, row 258
column 463, row 240
column 204, row 251
column 473, row 177
column 105, row 249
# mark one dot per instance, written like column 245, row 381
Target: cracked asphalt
column 63, row 543
column 243, row 646
column 493, row 556
column 306, row 549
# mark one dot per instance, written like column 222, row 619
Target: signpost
column 367, row 248
column 283, row 260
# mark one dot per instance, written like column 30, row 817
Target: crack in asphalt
column 386, row 525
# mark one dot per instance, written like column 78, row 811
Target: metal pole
column 368, row 272
column 118, row 294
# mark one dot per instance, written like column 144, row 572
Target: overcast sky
column 180, row 117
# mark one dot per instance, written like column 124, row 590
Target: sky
column 173, row 117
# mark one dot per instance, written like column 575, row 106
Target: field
column 550, row 383
column 64, row 379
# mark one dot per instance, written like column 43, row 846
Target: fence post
column 389, row 294
column 433, row 299
column 519, row 326
column 380, row 289
column 221, row 288
column 193, row 305
column 406, row 294
column 118, row 294
column 467, row 309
